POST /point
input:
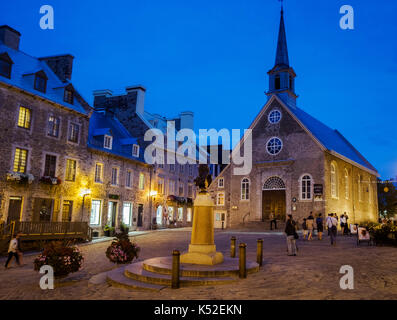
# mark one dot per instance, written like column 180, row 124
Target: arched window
column 245, row 189
column 306, row 187
column 360, row 187
column 274, row 183
column 370, row 191
column 277, row 82
column 347, row 186
column 334, row 181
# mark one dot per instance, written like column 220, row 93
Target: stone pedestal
column 202, row 249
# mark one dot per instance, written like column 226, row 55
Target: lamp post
column 152, row 194
column 84, row 193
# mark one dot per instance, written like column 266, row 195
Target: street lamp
column 84, row 193
column 152, row 194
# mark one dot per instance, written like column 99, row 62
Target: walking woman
column 320, row 226
column 310, row 226
column 290, row 230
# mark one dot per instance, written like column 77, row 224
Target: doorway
column 42, row 209
column 112, row 212
column 274, row 199
column 140, row 215
column 159, row 215
column 14, row 209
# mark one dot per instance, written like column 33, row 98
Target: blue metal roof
column 24, row 65
column 331, row 139
column 122, row 140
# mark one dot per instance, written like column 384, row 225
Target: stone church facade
column 299, row 165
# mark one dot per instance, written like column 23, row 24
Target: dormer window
column 40, row 82
column 107, row 142
column 135, row 150
column 5, row 65
column 68, row 96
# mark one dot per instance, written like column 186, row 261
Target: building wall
column 36, row 141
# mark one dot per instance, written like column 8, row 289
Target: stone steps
column 230, row 267
column 135, row 271
column 117, row 278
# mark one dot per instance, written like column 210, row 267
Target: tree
column 387, row 199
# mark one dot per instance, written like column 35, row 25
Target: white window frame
column 245, row 183
column 141, row 182
column 303, row 194
column 66, row 169
column 189, row 214
column 95, row 172
column 68, row 133
column 267, row 144
column 271, row 112
column 218, row 197
column 129, row 173
column 48, row 126
column 99, row 213
column 129, row 214
column 135, row 150
column 347, row 185
column 334, row 180
column 108, row 142
column 117, row 176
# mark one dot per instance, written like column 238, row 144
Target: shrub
column 62, row 257
column 122, row 250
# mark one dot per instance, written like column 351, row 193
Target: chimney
column 137, row 93
column 187, row 120
column 9, row 37
column 62, row 65
column 101, row 98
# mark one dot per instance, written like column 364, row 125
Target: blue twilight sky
column 211, row 57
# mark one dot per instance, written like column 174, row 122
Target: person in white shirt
column 332, row 227
column 13, row 251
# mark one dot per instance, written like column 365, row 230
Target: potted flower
column 122, row 250
column 62, row 257
column 108, row 230
column 124, row 228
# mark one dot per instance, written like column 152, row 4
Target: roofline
column 338, row 155
column 5, row 84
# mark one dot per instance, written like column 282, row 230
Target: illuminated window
column 74, row 130
column 99, row 172
column 141, row 181
column 127, row 213
column 221, row 183
column 306, row 187
column 70, row 170
column 160, row 185
column 95, row 212
column 274, row 146
column 334, row 181
column 24, row 118
column 220, row 199
column 53, row 126
column 359, row 186
column 180, row 214
column 189, row 215
column 20, row 160
column 245, row 189
column 347, row 186
column 107, row 142
column 274, row 116
column 115, row 176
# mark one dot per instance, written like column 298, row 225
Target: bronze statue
column 204, row 178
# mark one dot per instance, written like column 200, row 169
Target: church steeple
column 282, row 76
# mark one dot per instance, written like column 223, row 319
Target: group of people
column 310, row 224
column 15, row 251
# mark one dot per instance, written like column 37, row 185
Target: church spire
column 282, row 50
column 282, row 76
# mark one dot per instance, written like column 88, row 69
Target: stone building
column 44, row 128
column 171, row 185
column 299, row 164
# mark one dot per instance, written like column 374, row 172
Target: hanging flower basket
column 50, row 180
column 23, row 178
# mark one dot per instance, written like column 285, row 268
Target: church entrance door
column 273, row 199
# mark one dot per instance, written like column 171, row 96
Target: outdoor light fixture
column 153, row 193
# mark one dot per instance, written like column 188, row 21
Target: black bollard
column 259, row 252
column 175, row 269
column 242, row 261
column 233, row 247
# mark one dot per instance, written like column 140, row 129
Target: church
column 299, row 164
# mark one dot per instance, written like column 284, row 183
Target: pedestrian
column 332, row 224
column 12, row 251
column 304, row 228
column 320, row 226
column 342, row 223
column 273, row 220
column 346, row 230
column 310, row 226
column 290, row 231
